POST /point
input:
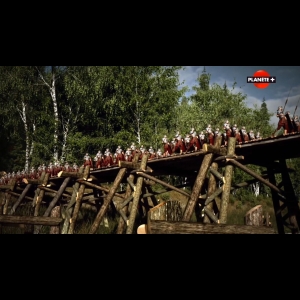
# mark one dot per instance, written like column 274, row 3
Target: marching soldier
column 87, row 161
column 202, row 138
column 167, row 147
column 151, row 153
column 297, row 123
column 128, row 155
column 282, row 126
column 210, row 135
column 244, row 135
column 228, row 132
column 251, row 135
column 237, row 134
column 159, row 153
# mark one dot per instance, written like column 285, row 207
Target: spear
column 296, row 109
column 286, row 100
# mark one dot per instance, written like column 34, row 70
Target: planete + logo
column 261, row 79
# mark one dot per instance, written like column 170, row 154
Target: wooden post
column 107, row 200
column 136, row 198
column 227, row 185
column 292, row 202
column 190, row 206
column 276, row 202
column 53, row 202
column 212, row 185
column 124, row 210
column 78, row 201
column 70, row 206
column 12, row 184
column 40, row 196
column 55, row 213
column 165, row 227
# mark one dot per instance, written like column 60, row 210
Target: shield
column 290, row 124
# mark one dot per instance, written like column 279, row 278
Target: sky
column 287, row 84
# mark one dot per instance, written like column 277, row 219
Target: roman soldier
column 297, row 123
column 75, row 167
column 236, row 134
column 251, row 135
column 98, row 160
column 290, row 123
column 195, row 142
column 173, row 144
column 143, row 151
column 108, row 160
column 67, row 167
column 167, row 147
column 133, row 149
column 159, row 153
column 87, row 161
column 187, row 141
column 119, row 155
column 228, row 132
column 180, row 145
column 32, row 174
column 151, row 153
column 202, row 138
column 210, row 135
column 282, row 126
column 128, row 155
column 244, row 135
column 50, row 169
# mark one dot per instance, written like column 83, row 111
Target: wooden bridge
column 202, row 170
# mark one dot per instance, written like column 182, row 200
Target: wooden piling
column 55, row 213
column 212, row 186
column 53, row 202
column 190, row 206
column 107, row 200
column 73, row 219
column 70, row 207
column 136, row 197
column 227, row 185
column 123, row 210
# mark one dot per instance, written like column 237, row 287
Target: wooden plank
column 164, row 227
column 49, row 221
column 133, row 165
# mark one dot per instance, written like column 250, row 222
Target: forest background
column 59, row 113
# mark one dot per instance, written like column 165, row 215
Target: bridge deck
column 261, row 152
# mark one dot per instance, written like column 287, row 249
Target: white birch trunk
column 52, row 91
column 32, row 141
column 24, row 119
